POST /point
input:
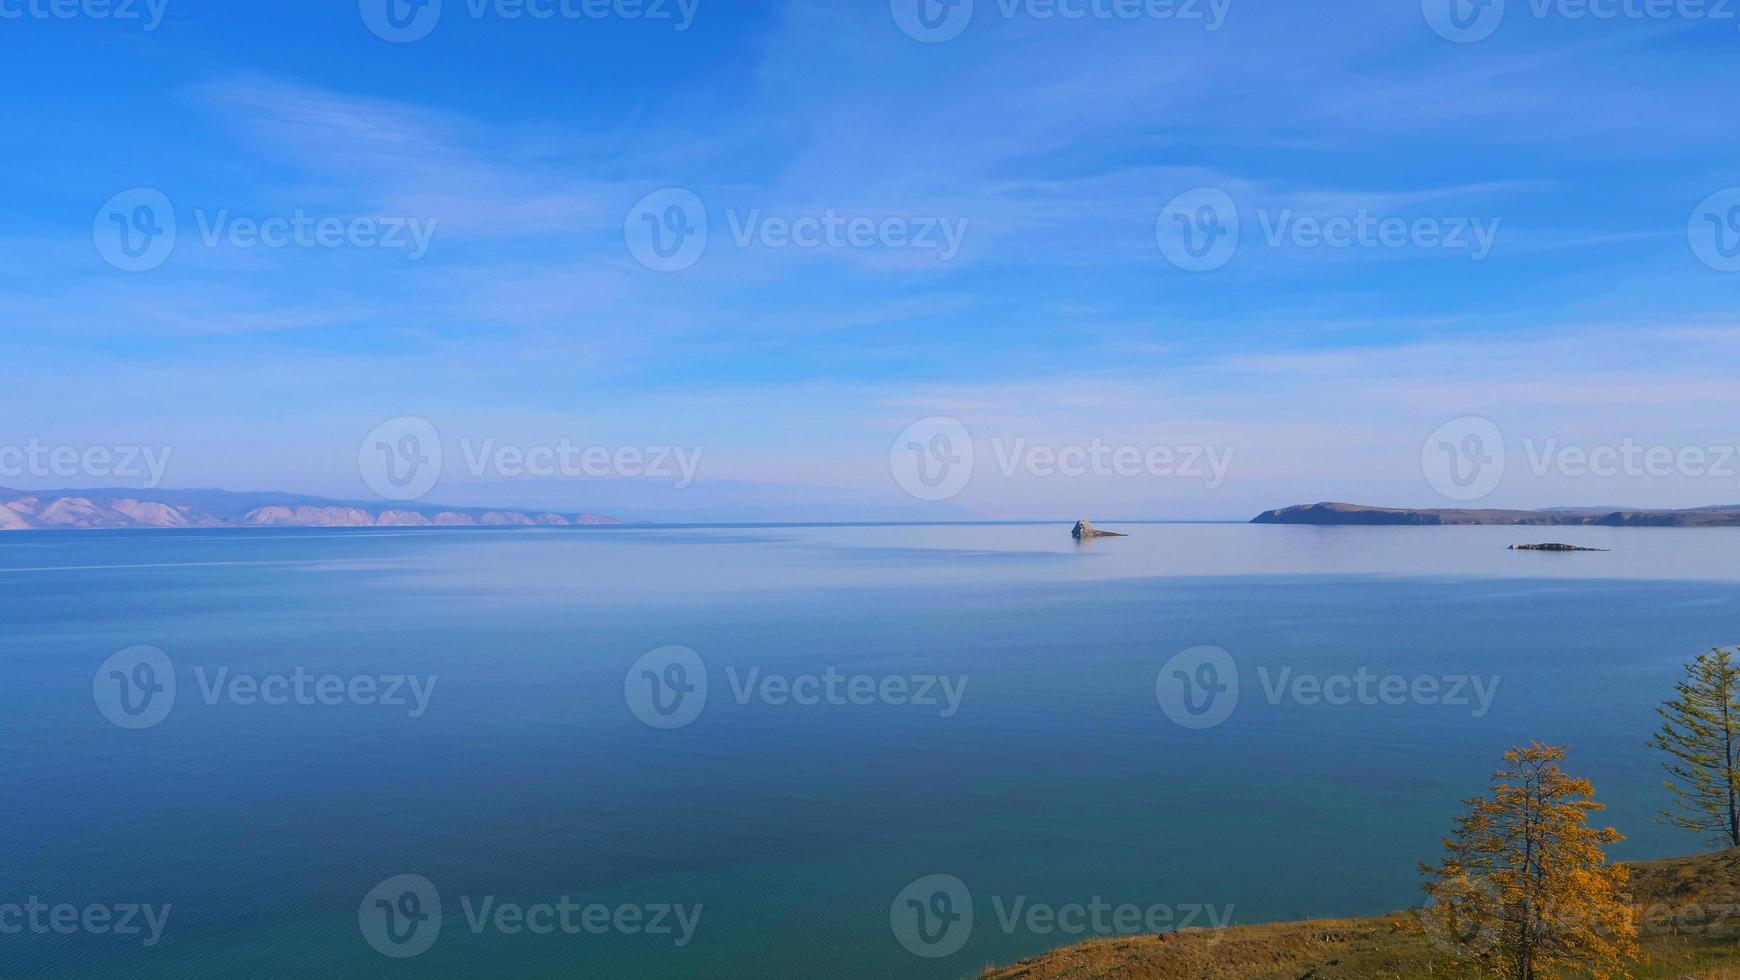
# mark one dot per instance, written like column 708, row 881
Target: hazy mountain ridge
column 1339, row 513
column 22, row 510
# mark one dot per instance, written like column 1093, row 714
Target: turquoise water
column 1058, row 777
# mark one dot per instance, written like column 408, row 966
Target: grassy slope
column 1690, row 928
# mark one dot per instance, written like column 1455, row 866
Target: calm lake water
column 1040, row 768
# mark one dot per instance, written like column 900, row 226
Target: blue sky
column 1052, row 146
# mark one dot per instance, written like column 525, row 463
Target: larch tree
column 1700, row 733
column 1526, row 889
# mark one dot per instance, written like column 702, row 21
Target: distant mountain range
column 48, row 509
column 1336, row 513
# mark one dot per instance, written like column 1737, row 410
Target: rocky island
column 1085, row 530
column 1551, row 547
column 1340, row 513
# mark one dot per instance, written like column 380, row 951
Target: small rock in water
column 1085, row 530
column 1551, row 547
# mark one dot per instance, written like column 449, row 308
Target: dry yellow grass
column 1689, row 924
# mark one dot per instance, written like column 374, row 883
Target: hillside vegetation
column 1688, row 913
